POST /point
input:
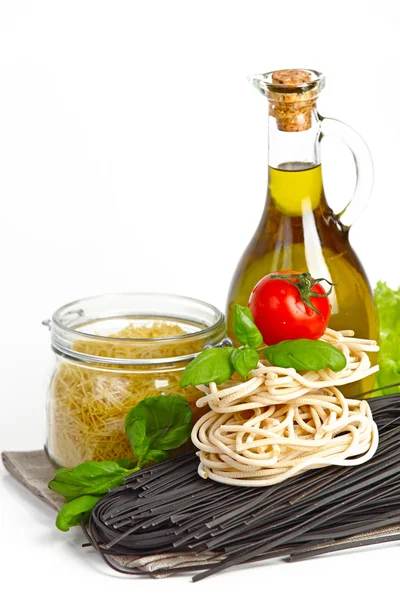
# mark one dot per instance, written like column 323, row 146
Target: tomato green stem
column 305, row 284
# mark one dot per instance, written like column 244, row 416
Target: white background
column 133, row 157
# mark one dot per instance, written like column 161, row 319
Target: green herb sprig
column 218, row 364
column 89, row 478
column 155, row 425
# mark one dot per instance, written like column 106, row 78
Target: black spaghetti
column 169, row 508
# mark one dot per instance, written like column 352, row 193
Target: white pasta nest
column 280, row 422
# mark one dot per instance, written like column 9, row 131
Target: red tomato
column 280, row 308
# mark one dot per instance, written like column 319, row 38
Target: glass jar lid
column 135, row 329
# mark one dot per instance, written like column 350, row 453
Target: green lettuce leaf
column 388, row 304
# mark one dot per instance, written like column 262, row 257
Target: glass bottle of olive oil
column 298, row 230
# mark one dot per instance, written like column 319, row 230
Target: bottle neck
column 294, row 150
column 295, row 187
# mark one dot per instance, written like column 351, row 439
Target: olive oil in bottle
column 298, row 230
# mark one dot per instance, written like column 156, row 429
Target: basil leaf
column 157, row 424
column 70, row 514
column 211, row 365
column 94, row 478
column 126, row 463
column 244, row 360
column 136, row 432
column 156, row 455
column 245, row 329
column 305, row 355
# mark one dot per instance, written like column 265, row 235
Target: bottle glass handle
column 362, row 161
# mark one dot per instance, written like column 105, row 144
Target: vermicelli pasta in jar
column 108, row 363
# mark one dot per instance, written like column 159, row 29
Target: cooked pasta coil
column 281, row 422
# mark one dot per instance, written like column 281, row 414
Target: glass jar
column 111, row 352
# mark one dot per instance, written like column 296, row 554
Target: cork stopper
column 291, row 77
column 292, row 95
